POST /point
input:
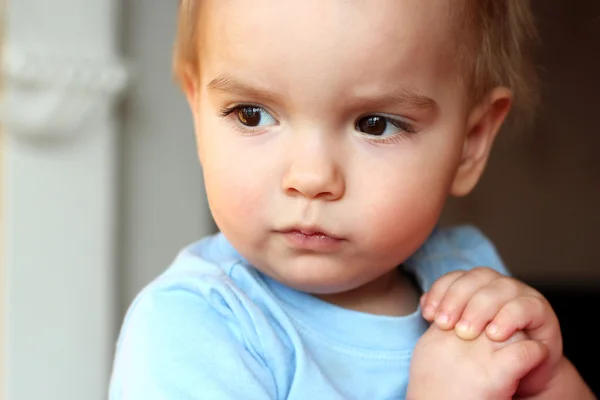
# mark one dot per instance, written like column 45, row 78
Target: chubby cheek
column 403, row 208
column 402, row 223
column 229, row 199
column 235, row 184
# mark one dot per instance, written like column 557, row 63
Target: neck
column 392, row 294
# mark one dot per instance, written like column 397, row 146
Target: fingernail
column 442, row 319
column 463, row 326
column 428, row 312
column 493, row 329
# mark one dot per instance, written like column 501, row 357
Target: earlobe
column 484, row 123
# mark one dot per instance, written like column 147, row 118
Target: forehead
column 297, row 42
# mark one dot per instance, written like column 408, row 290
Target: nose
column 313, row 171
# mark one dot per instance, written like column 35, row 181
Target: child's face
column 331, row 133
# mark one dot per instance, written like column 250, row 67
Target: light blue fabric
column 212, row 327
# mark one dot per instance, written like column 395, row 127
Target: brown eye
column 250, row 116
column 373, row 125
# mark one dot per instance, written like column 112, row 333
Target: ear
column 484, row 123
column 191, row 90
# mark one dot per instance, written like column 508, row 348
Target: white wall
column 164, row 207
column 97, row 200
column 61, row 73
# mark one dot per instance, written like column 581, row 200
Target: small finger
column 436, row 293
column 532, row 314
column 485, row 304
column 519, row 314
column 422, row 300
column 459, row 294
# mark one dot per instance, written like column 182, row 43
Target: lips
column 315, row 233
column 311, row 239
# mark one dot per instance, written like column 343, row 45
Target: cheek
column 404, row 215
column 236, row 180
column 403, row 205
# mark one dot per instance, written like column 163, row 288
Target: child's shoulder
column 450, row 249
column 191, row 318
column 200, row 277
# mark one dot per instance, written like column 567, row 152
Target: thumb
column 513, row 362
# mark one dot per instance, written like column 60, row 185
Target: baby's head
column 332, row 132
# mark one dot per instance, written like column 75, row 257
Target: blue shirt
column 213, row 327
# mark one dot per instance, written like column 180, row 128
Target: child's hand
column 445, row 366
column 483, row 299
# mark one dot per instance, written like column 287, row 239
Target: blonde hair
column 500, row 37
column 185, row 58
column 496, row 44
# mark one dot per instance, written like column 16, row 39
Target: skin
column 282, row 116
column 306, row 164
column 526, row 355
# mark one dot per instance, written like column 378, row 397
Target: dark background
column 539, row 200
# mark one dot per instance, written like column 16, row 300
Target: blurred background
column 100, row 186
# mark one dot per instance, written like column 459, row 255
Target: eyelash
column 407, row 129
column 226, row 112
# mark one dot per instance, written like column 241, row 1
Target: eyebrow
column 408, row 97
column 225, row 83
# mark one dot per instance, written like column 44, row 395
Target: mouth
column 311, row 238
column 310, row 232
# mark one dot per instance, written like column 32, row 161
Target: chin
column 319, row 278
